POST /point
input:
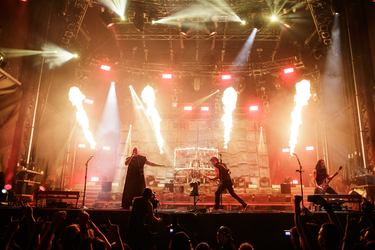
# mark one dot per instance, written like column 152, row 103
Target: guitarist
column 320, row 176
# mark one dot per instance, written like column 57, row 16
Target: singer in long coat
column 135, row 179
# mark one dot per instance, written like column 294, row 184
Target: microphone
column 294, row 153
column 89, row 158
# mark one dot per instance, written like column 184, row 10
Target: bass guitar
column 324, row 186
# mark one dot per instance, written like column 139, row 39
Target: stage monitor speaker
column 107, row 186
column 285, row 188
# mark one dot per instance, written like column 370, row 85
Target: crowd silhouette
column 309, row 232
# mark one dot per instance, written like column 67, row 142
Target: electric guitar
column 324, row 186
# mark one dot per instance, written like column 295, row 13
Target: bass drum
column 206, row 172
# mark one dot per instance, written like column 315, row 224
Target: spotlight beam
column 241, row 58
column 117, row 6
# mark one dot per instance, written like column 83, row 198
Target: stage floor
column 262, row 229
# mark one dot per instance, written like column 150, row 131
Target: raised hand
column 14, row 225
column 58, row 217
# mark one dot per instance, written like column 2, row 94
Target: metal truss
column 322, row 16
column 75, row 18
column 204, row 69
column 129, row 32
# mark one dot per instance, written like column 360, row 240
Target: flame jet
column 76, row 97
column 148, row 97
column 301, row 98
column 229, row 101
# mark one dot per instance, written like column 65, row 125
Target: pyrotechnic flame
column 76, row 97
column 148, row 97
column 229, row 102
column 301, row 98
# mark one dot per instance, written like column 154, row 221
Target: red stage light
column 8, row 186
column 110, row 25
column 183, row 33
column 253, row 108
column 309, row 148
column 188, row 108
column 286, row 25
column 105, row 67
column 106, row 147
column 42, row 188
column 167, row 76
column 288, row 70
column 226, row 77
column 89, row 101
column 205, row 108
column 285, row 150
column 81, row 145
column 94, row 178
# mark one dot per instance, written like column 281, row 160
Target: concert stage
column 262, row 229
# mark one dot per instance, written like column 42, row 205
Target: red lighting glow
column 105, row 67
column 106, row 147
column 42, row 188
column 8, row 186
column 110, row 25
column 309, row 148
column 183, row 33
column 81, row 145
column 285, row 150
column 288, row 70
column 89, row 101
column 295, row 182
column 286, row 25
column 167, row 76
column 205, row 108
column 94, row 178
column 188, row 108
column 253, row 108
column 226, row 77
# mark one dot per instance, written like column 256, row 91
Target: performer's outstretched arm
column 154, row 164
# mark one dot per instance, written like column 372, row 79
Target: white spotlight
column 122, row 18
column 243, row 22
column 274, row 18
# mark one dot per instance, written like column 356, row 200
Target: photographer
column 140, row 237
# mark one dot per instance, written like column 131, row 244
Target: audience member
column 180, row 241
column 224, row 238
column 246, row 246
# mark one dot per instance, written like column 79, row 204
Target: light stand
column 84, row 188
column 300, row 176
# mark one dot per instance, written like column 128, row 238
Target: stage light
column 138, row 106
column 75, row 55
column 94, row 178
column 106, row 18
column 253, row 108
column 188, row 108
column 4, row 191
column 81, row 145
column 8, row 186
column 184, row 31
column 211, row 27
column 288, row 70
column 152, row 18
column 295, row 182
column 130, row 87
column 42, row 188
column 226, row 77
column 273, row 18
column 258, row 20
column 122, row 18
column 167, row 76
column 309, row 148
column 139, row 21
column 106, row 147
column 89, row 101
column 286, row 25
column 105, row 67
column 285, row 150
column 205, row 108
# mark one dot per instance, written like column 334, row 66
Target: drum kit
column 194, row 171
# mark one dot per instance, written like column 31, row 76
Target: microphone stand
column 221, row 180
column 84, row 188
column 300, row 175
